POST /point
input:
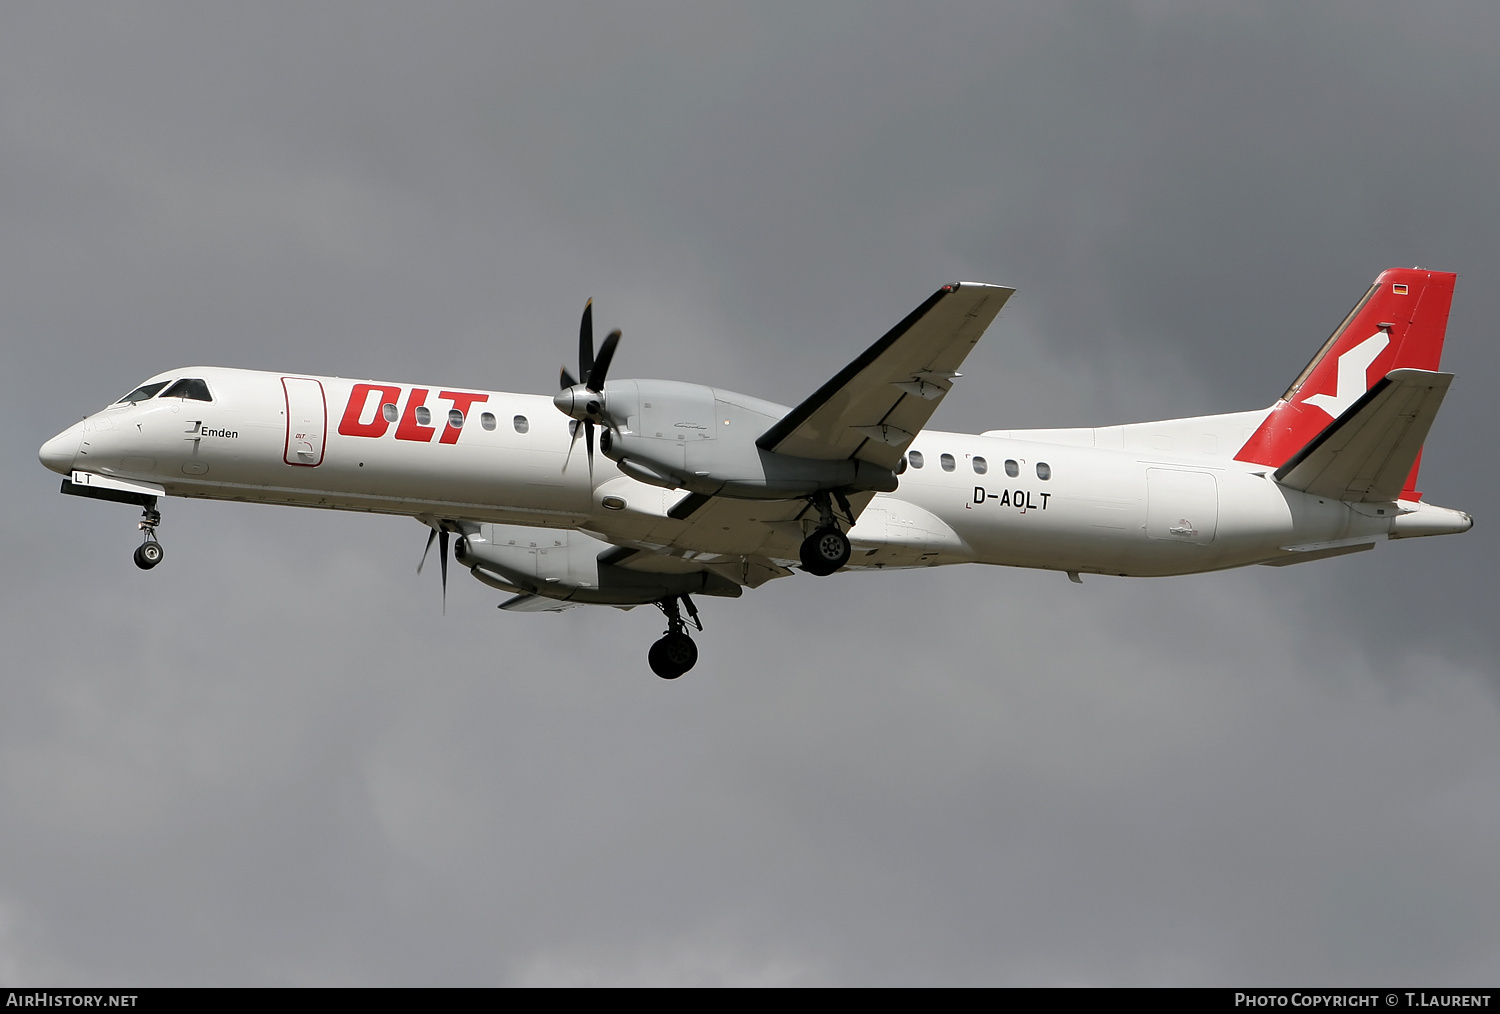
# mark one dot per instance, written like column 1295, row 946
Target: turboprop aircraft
column 702, row 491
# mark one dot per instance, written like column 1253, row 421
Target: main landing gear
column 149, row 553
column 827, row 548
column 675, row 653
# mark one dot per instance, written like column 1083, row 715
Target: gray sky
column 274, row 761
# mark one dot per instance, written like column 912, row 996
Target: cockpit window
column 193, row 390
column 141, row 393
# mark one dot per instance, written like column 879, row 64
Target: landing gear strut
column 148, row 554
column 675, row 653
column 827, row 548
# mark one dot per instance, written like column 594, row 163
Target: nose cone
column 58, row 453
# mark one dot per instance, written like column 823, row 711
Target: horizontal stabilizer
column 1366, row 453
column 1308, row 556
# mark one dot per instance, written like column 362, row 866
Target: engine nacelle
column 564, row 565
column 702, row 439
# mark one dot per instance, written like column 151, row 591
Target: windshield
column 141, row 393
column 192, row 389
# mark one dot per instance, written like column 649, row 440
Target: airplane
column 703, row 491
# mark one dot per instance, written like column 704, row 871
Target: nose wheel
column 675, row 653
column 149, row 553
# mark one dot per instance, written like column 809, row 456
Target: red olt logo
column 382, row 412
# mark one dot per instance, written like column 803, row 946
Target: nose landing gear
column 149, row 553
column 675, row 653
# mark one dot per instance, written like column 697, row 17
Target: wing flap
column 1366, row 453
column 537, row 604
column 874, row 407
column 748, row 541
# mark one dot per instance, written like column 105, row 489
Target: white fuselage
column 1151, row 499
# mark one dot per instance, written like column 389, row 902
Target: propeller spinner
column 583, row 399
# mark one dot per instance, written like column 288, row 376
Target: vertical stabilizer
column 1399, row 324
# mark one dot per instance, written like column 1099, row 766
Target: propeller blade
column 443, row 559
column 586, row 342
column 595, row 381
column 574, row 427
column 430, row 536
column 588, row 439
column 567, row 379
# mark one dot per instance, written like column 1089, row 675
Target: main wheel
column 148, row 555
column 824, row 551
column 672, row 655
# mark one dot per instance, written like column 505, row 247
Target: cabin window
column 141, row 393
column 901, row 465
column 1043, row 471
column 389, row 411
column 455, row 419
column 980, row 465
column 1011, row 468
column 487, row 420
column 191, row 389
column 424, row 416
column 947, row 462
column 916, row 459
column 521, row 424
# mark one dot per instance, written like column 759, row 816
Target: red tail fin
column 1399, row 324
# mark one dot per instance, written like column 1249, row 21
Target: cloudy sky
column 275, row 761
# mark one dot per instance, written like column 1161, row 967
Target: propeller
column 586, row 406
column 441, row 534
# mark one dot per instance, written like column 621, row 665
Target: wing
column 1366, row 454
column 748, row 542
column 879, row 402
